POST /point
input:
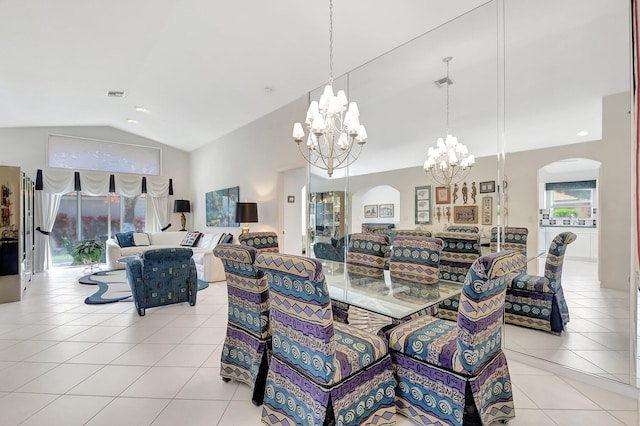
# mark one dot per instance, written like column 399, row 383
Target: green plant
column 87, row 251
column 565, row 213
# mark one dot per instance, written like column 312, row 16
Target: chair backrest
column 459, row 251
column 481, row 307
column 463, row 228
column 555, row 257
column 301, row 314
column 407, row 233
column 247, row 289
column 261, row 241
column 377, row 228
column 367, row 250
column 416, row 259
column 513, row 238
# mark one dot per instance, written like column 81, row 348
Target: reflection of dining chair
column 320, row 372
column 456, row 373
column 407, row 233
column 459, row 252
column 513, row 238
column 463, row 228
column 246, row 345
column 538, row 302
column 261, row 241
column 161, row 277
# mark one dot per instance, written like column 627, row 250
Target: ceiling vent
column 115, row 94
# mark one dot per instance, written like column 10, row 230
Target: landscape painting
column 221, row 207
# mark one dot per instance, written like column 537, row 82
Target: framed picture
column 443, row 195
column 386, row 210
column 220, row 206
column 487, row 210
column 370, row 210
column 465, row 214
column 486, row 187
column 291, row 198
column 423, row 205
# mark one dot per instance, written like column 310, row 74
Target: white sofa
column 208, row 267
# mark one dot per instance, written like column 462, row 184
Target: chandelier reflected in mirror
column 333, row 125
column 449, row 161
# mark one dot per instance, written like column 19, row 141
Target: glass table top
column 393, row 298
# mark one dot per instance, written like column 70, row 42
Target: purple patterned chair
column 513, row 238
column 456, row 373
column 248, row 340
column 538, row 302
column 162, row 277
column 261, row 241
column 320, row 372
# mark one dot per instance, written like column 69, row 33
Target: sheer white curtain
column 158, row 190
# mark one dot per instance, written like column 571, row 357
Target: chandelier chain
column 448, row 84
column 330, row 42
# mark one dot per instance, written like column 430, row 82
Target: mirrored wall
column 552, row 81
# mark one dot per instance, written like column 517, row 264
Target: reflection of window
column 101, row 216
column 572, row 200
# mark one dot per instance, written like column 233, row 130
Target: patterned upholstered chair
column 377, row 228
column 407, row 233
column 513, row 238
column 246, row 345
column 320, row 372
column 463, row 228
column 162, row 277
column 459, row 252
column 452, row 373
column 538, row 302
column 261, row 241
column 331, row 251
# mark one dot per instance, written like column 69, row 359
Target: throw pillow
column 141, row 239
column 125, row 239
column 228, row 239
column 191, row 239
column 222, row 239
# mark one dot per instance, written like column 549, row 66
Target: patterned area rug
column 113, row 286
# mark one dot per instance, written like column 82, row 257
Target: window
column 101, row 216
column 571, row 200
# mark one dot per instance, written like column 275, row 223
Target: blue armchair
column 162, row 277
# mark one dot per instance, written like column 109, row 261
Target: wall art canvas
column 221, row 207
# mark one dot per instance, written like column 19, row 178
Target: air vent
column 115, row 94
column 443, row 82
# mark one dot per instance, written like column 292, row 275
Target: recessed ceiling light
column 115, row 94
column 583, row 133
column 142, row 109
column 132, row 121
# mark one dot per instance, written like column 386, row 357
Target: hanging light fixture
column 333, row 128
column 449, row 162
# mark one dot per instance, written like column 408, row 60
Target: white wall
column 26, row 147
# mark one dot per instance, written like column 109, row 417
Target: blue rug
column 113, row 286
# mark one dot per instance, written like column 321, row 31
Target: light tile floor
column 63, row 362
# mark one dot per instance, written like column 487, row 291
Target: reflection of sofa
column 209, row 268
column 330, row 251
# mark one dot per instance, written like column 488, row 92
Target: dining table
column 379, row 293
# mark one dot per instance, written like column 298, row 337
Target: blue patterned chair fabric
column 407, row 233
column 463, row 228
column 513, row 238
column 416, row 259
column 368, row 250
column 246, row 345
column 162, row 277
column 320, row 371
column 330, row 251
column 460, row 250
column 538, row 302
column 435, row 360
column 261, row 241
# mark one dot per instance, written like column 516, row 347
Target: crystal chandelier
column 449, row 162
column 333, row 128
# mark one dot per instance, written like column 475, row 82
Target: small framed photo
column 423, row 205
column 465, row 214
column 487, row 187
column 443, row 195
column 487, row 210
column 386, row 210
column 370, row 210
column 291, row 198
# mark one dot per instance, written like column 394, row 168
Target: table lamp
column 182, row 207
column 246, row 213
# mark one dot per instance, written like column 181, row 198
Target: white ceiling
column 201, row 66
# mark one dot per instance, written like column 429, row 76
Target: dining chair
column 248, row 338
column 538, row 301
column 456, row 373
column 463, row 228
column 512, row 238
column 321, row 372
column 162, row 277
column 261, row 241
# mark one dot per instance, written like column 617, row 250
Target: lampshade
column 246, row 212
column 181, row 206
